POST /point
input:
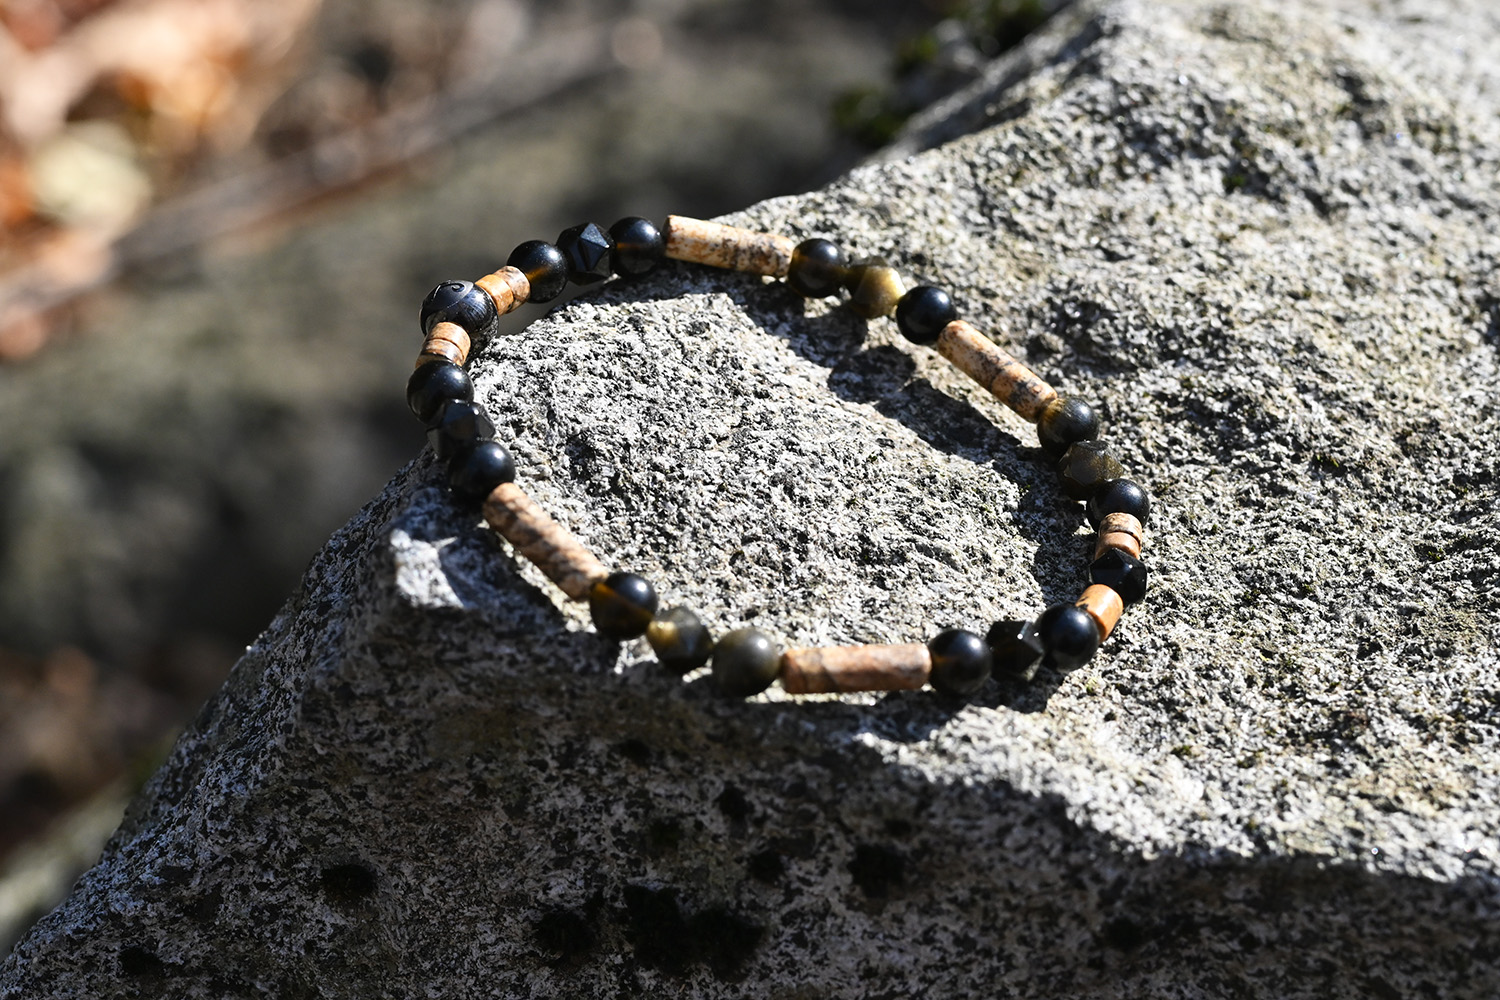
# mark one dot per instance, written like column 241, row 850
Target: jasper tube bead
column 922, row 313
column 461, row 303
column 681, row 641
column 817, row 269
column 1066, row 422
column 960, row 662
column 745, row 662
column 1069, row 635
column 1118, row 496
column 478, row 468
column 639, row 246
column 622, row 605
column 545, row 268
column 433, row 384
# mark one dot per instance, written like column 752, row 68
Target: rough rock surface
column 1264, row 238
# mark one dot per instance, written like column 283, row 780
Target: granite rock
column 1263, row 239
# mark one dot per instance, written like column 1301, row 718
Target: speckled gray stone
column 1263, row 239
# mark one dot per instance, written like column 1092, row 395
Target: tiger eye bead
column 874, row 289
column 622, row 605
column 680, row 640
column 745, row 662
column 960, row 662
column 1085, row 467
column 433, row 384
column 1119, row 496
column 817, row 268
column 1066, row 422
column 545, row 268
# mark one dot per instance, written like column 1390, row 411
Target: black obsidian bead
column 622, row 605
column 960, row 662
column 1069, row 636
column 680, row 640
column 1121, row 572
column 817, row 268
column 1085, row 467
column 922, row 313
column 1015, row 649
column 544, row 266
column 1066, row 422
column 477, row 469
column 586, row 249
column 745, row 662
column 433, row 384
column 1119, row 496
column 639, row 245
column 458, row 423
column 462, row 303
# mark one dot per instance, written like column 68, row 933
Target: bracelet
column 745, row 661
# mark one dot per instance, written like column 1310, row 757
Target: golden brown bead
column 1104, row 605
column 823, row 669
column 1120, row 531
column 1011, row 382
column 728, row 247
column 874, row 289
column 507, row 286
column 551, row 547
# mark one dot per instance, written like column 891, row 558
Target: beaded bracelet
column 746, row 661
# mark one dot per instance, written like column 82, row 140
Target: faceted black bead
column 544, row 266
column 1069, row 636
column 1066, row 422
column 477, row 469
column 458, row 423
column 960, row 662
column 817, row 269
column 586, row 248
column 1122, row 572
column 1119, row 496
column 745, row 662
column 433, row 384
column 622, row 605
column 680, row 640
column 462, row 303
column 639, row 245
column 1015, row 649
column 922, row 313
column 1085, row 467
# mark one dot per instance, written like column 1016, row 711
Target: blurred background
column 217, row 221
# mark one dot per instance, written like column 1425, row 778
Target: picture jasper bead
column 622, row 605
column 477, row 469
column 545, row 268
column 1069, row 636
column 433, row 384
column 1085, row 467
column 1122, row 572
column 922, row 313
column 1118, row 496
column 745, row 662
column 1015, row 649
column 817, row 269
column 457, row 424
column 639, row 245
column 1066, row 422
column 463, row 303
column 681, row 641
column 586, row 249
column 960, row 662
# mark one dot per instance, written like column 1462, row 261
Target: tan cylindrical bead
column 1011, row 382
column 824, row 669
column 532, row 532
column 438, row 348
column 1104, row 605
column 1120, row 531
column 448, row 333
column 717, row 245
column 507, row 286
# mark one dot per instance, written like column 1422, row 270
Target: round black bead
column 1015, row 648
column 960, row 662
column 745, row 662
column 544, row 266
column 462, row 303
column 1121, row 572
column 477, row 469
column 1119, row 496
column 586, row 248
column 817, row 268
column 1069, row 636
column 433, row 384
column 458, row 423
column 680, row 640
column 922, row 313
column 1066, row 422
column 622, row 605
column 639, row 245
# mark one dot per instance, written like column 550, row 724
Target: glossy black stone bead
column 433, row 384
column 745, row 662
column 681, row 641
column 817, row 268
column 1066, row 422
column 1122, row 572
column 586, row 249
column 462, row 303
column 639, row 245
column 1015, row 649
column 1119, row 496
column 544, row 266
column 477, row 469
column 922, row 313
column 960, row 662
column 458, row 423
column 1085, row 467
column 622, row 605
column 1069, row 636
